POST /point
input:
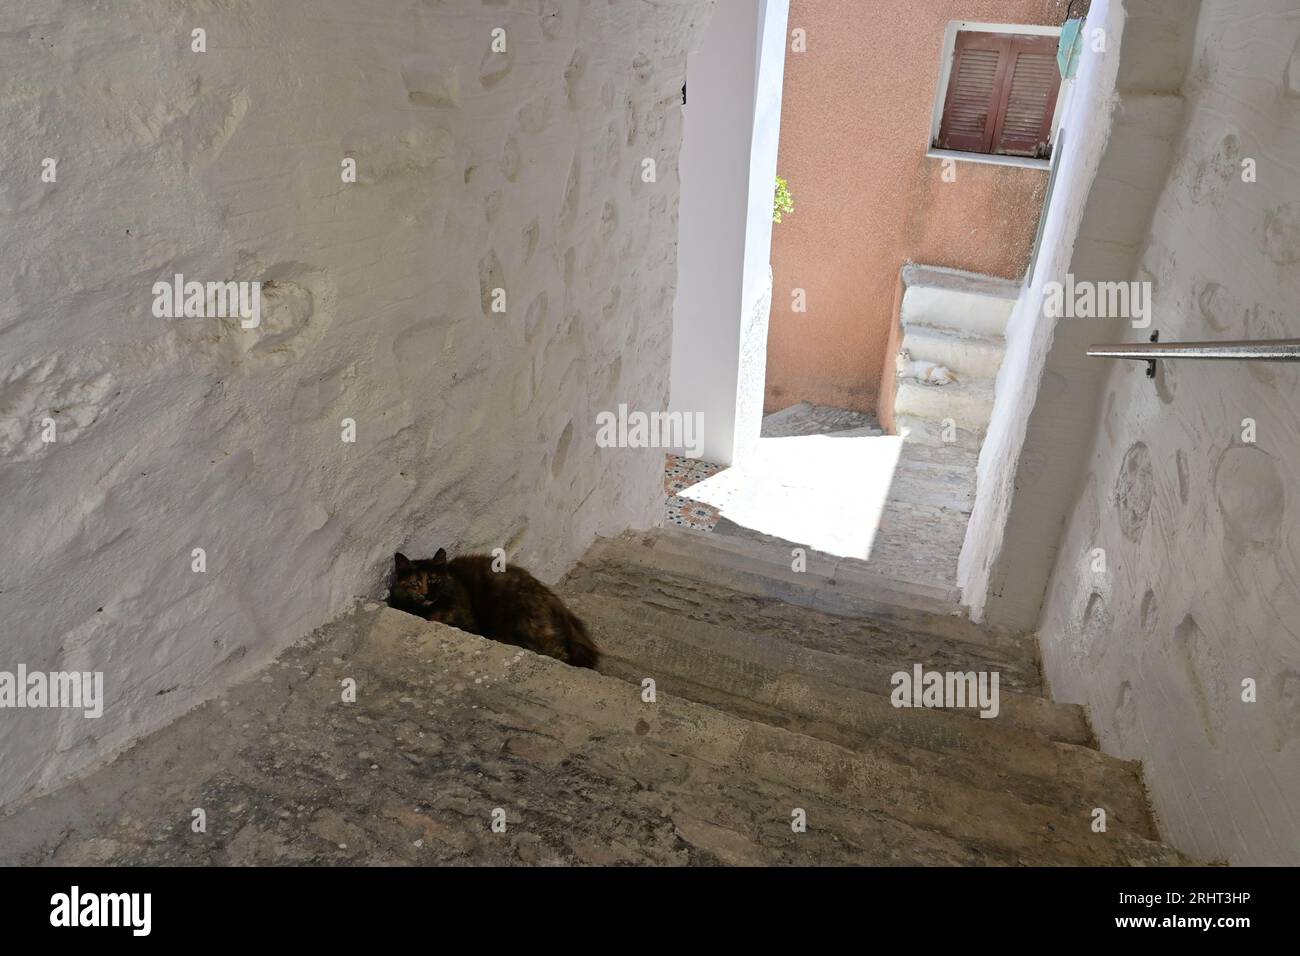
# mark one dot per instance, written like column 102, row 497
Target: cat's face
column 422, row 583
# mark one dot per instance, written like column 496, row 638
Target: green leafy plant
column 784, row 204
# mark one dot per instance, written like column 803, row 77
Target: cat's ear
column 441, row 557
column 401, row 561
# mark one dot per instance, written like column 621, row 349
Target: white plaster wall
column 475, row 430
column 1201, row 530
column 715, row 155
column 756, row 282
column 1086, row 120
column 1122, row 119
column 732, row 129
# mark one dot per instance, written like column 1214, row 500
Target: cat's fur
column 927, row 372
column 510, row 606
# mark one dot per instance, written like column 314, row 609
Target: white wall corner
column 756, row 306
column 728, row 173
column 1087, row 113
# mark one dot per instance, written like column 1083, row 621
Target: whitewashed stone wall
column 1200, row 525
column 1122, row 119
column 476, row 170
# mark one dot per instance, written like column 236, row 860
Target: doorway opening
column 914, row 185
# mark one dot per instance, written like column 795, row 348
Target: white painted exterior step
column 968, row 404
column 967, row 356
column 949, row 298
column 956, row 320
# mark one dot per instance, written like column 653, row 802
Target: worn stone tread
column 858, row 653
column 706, row 578
column 448, row 726
column 832, row 698
column 768, row 559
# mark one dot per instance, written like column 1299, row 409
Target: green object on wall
column 1067, row 54
column 783, row 203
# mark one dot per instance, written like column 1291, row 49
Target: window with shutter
column 1001, row 95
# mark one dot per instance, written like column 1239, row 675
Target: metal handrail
column 1267, row 350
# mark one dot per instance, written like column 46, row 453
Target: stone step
column 952, row 299
column 449, row 730
column 950, row 456
column 967, row 356
column 854, row 652
column 968, row 404
column 855, row 658
column 938, row 484
column 837, row 580
column 445, row 729
column 830, row 697
column 895, row 549
column 894, row 552
column 714, row 573
column 737, row 749
column 924, row 433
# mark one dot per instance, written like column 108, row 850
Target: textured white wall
column 1202, row 529
column 475, row 430
column 756, row 281
column 733, row 124
column 1121, row 123
column 1004, row 480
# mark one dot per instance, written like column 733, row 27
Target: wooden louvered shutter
column 1029, row 102
column 1001, row 94
column 970, row 112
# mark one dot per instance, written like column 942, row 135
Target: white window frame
column 945, row 77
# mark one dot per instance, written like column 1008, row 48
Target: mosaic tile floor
column 679, row 474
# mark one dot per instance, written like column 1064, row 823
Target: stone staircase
column 771, row 704
column 955, row 319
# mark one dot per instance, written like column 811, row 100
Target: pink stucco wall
column 855, row 126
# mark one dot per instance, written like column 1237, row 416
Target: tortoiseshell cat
column 510, row 606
